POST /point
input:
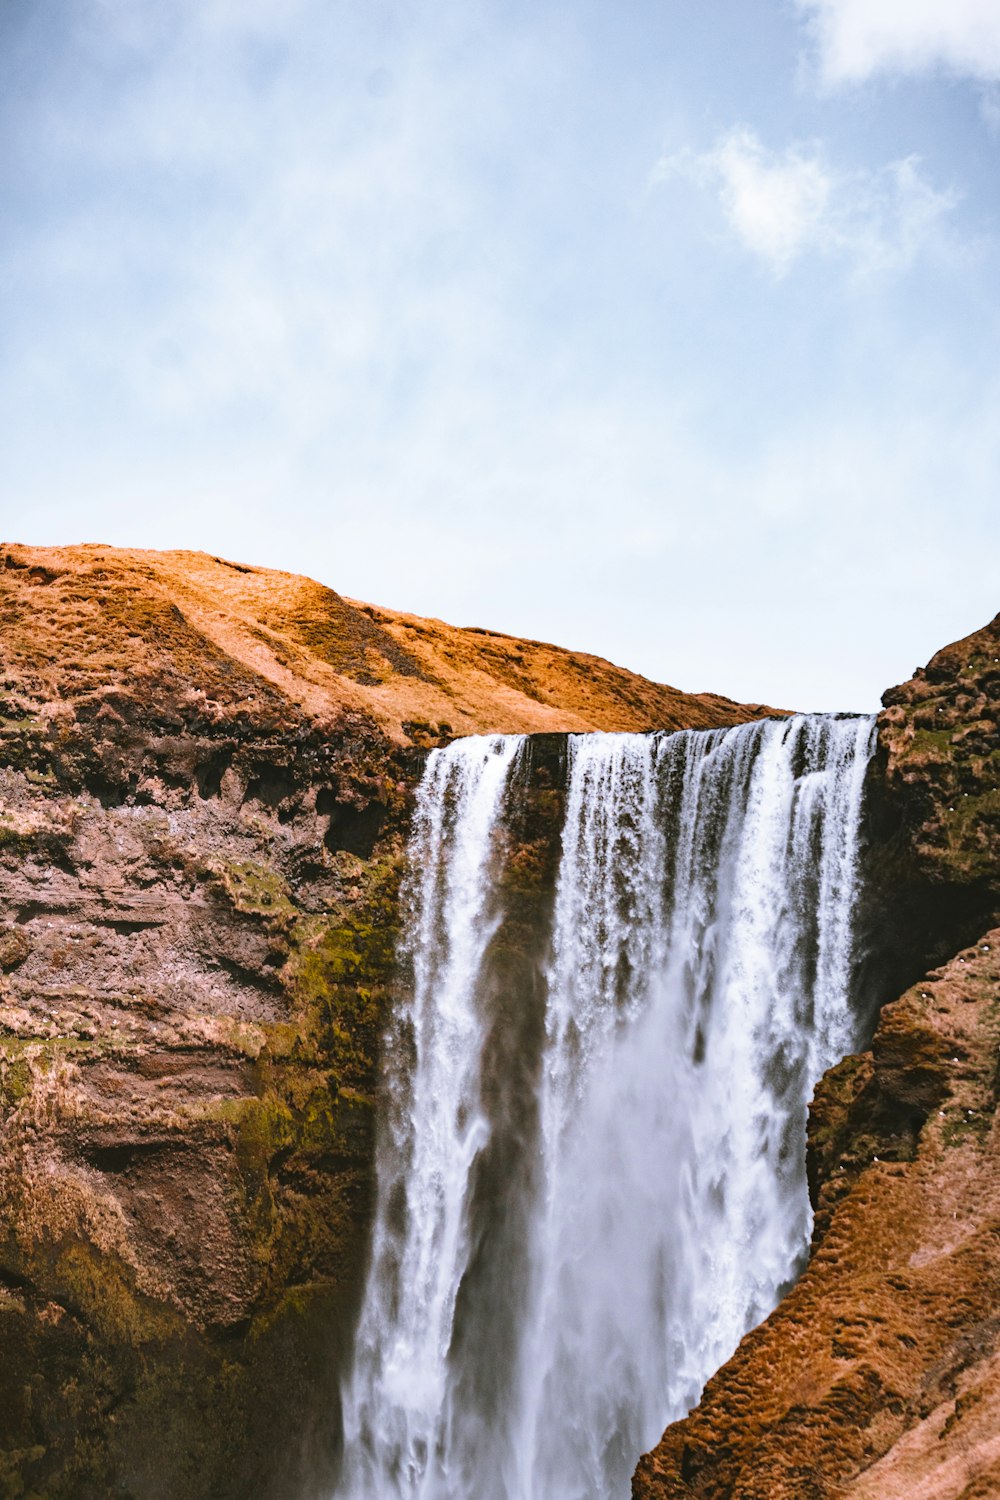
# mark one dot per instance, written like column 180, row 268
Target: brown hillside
column 82, row 624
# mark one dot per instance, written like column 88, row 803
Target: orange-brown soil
column 90, row 622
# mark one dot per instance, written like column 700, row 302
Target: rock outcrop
column 206, row 772
column 879, row 1375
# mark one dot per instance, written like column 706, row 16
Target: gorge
column 639, row 945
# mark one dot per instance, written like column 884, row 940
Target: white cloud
column 782, row 206
column 859, row 38
column 777, row 206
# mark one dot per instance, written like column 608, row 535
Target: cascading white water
column 397, row 1410
column 580, row 1214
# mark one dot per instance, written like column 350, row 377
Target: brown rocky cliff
column 939, row 750
column 934, row 816
column 879, row 1375
column 206, row 772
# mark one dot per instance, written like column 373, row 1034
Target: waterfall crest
column 589, row 1192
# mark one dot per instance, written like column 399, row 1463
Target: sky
column 668, row 331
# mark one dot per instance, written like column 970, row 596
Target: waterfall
column 591, row 1189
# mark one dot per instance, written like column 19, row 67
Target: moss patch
column 254, row 888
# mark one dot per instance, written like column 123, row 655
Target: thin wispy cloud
column 784, row 205
column 856, row 39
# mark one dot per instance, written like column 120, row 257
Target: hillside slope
column 83, row 624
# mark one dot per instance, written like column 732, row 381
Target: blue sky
column 666, row 331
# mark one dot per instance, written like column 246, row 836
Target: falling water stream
column 588, row 1191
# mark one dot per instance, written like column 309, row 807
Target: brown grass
column 92, row 620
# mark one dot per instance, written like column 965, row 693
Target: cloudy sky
column 662, row 329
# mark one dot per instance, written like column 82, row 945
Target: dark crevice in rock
column 121, row 1156
column 209, row 773
column 352, row 828
column 262, row 979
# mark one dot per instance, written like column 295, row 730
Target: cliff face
column 934, row 809
column 206, row 776
column 206, row 773
column 879, row 1375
